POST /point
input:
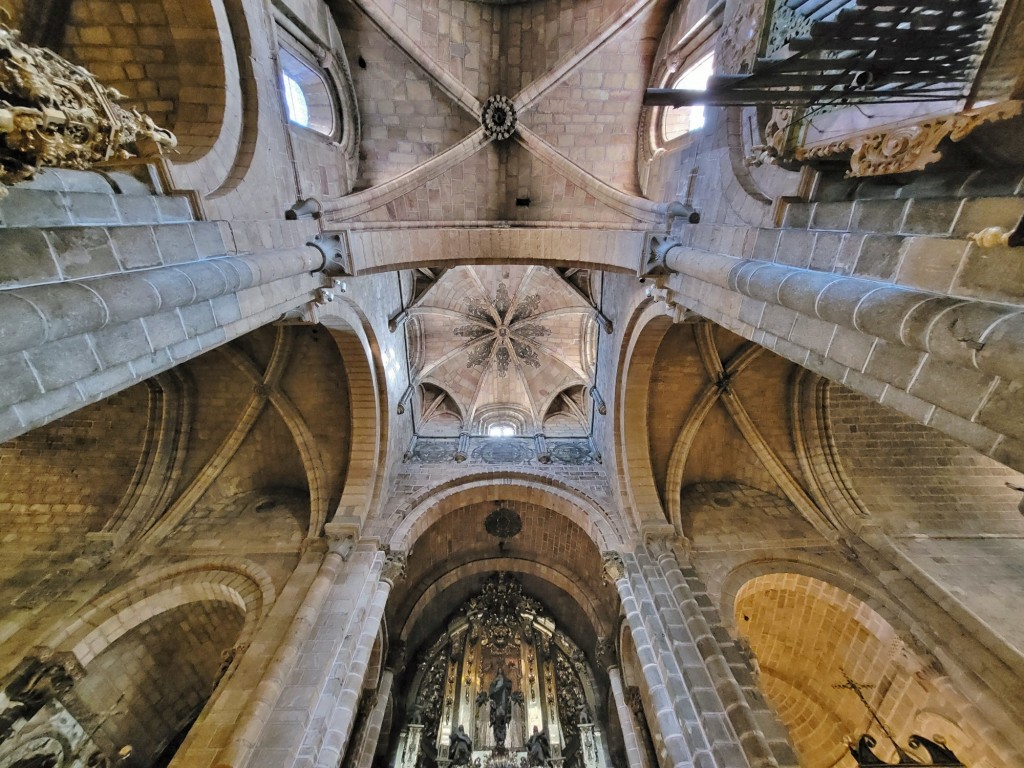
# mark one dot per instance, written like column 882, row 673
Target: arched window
column 307, row 95
column 680, row 121
column 501, row 430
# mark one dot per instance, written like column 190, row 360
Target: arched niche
column 148, row 687
column 125, row 678
column 498, row 670
column 819, row 649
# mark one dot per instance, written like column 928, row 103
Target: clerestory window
column 678, row 122
column 307, row 95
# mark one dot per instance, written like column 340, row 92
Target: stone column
column 674, row 747
column 945, row 338
column 634, row 750
column 144, row 321
column 870, row 306
column 350, row 669
column 373, row 724
column 253, row 718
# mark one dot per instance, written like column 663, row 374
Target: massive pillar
column 900, row 341
column 313, row 706
column 694, row 686
column 107, row 284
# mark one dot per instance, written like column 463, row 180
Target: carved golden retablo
column 56, row 114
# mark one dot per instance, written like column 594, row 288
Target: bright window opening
column 307, row 96
column 298, row 109
column 683, row 120
column 501, row 430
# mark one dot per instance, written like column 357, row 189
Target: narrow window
column 295, row 100
column 307, row 96
column 683, row 120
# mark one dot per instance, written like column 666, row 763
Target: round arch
column 561, row 581
column 808, row 565
column 860, row 641
column 227, row 580
column 369, row 407
column 426, row 510
column 644, row 334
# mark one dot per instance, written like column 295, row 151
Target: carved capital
column 397, row 655
column 394, row 566
column 660, row 538
column 605, row 652
column 342, row 534
column 614, row 567
column 635, row 701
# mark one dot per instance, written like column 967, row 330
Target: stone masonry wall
column 67, row 478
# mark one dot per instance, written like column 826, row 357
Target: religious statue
column 460, row 751
column 538, row 748
column 500, row 697
column 583, row 714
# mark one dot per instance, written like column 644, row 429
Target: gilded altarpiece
column 502, row 640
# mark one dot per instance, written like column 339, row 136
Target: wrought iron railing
column 869, row 51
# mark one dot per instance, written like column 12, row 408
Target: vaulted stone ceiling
column 574, row 70
column 511, row 345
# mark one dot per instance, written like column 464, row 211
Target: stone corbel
column 661, row 293
column 334, row 248
column 404, row 402
column 410, row 450
column 462, row 453
column 310, row 208
column 598, row 401
column 540, row 443
column 603, row 320
column 397, row 320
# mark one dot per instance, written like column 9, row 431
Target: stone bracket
column 334, row 247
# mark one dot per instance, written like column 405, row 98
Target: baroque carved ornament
column 898, row 149
column 56, row 114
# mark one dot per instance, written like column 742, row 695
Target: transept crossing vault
column 436, row 402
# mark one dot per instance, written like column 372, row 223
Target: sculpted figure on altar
column 499, row 698
column 460, row 752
